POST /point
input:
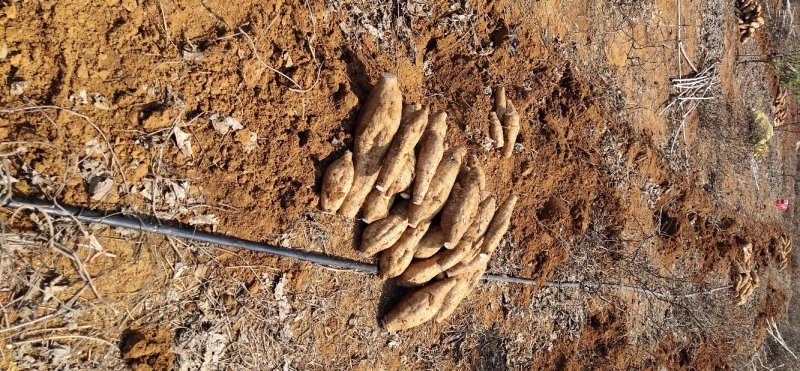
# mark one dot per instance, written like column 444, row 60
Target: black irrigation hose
column 123, row 221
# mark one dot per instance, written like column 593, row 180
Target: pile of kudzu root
column 750, row 18
column 746, row 279
column 437, row 237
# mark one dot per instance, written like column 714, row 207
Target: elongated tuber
column 500, row 101
column 439, row 189
column 474, row 235
column 402, row 147
column 396, row 259
column 422, row 271
column 430, row 155
column 462, row 205
column 376, row 206
column 464, row 285
column 511, row 130
column 336, row 183
column 499, row 225
column 431, row 243
column 377, row 125
column 461, row 268
column 475, row 164
column 382, row 234
column 418, row 307
column 496, row 130
column 405, row 178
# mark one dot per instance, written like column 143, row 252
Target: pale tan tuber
column 462, row 205
column 511, row 131
column 430, row 155
column 439, row 189
column 377, row 125
column 336, row 183
column 464, row 285
column 430, row 244
column 418, row 307
column 402, row 147
column 376, row 206
column 396, row 259
column 500, row 101
column 496, row 130
column 382, row 234
column 499, row 225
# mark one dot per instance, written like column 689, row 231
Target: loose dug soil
column 604, row 194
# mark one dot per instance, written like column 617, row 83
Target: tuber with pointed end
column 377, row 125
column 477, row 230
column 439, row 189
column 422, row 271
column 475, row 164
column 496, row 130
column 382, row 234
column 402, row 147
column 464, row 285
column 430, row 155
column 377, row 204
column 336, row 183
column 510, row 106
column 396, row 259
column 462, row 205
column 405, row 177
column 499, row 225
column 511, row 131
column 430, row 244
column 500, row 101
column 418, row 307
column 461, row 268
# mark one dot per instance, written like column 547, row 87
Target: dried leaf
column 208, row 219
column 183, row 142
column 93, row 147
column 101, row 188
column 223, row 124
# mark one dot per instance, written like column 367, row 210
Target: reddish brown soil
column 590, row 82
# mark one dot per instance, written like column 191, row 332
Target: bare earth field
column 109, row 105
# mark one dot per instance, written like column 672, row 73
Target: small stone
column 101, row 102
column 3, row 51
column 18, row 87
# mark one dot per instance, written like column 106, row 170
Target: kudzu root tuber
column 377, row 125
column 377, row 204
column 430, row 155
column 402, row 147
column 396, row 259
column 500, row 101
column 431, row 243
column 461, row 206
column 464, row 285
column 499, row 225
column 418, row 307
column 382, row 234
column 496, row 130
column 336, row 183
column 439, row 189
column 511, row 130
